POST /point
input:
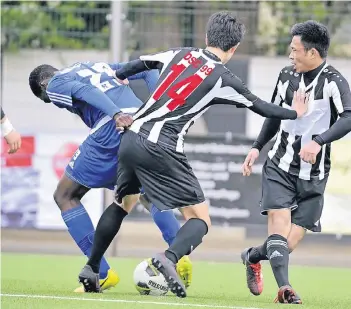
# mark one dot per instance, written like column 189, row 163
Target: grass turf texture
column 44, row 281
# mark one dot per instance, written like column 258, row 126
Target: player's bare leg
column 107, row 228
column 188, row 238
column 297, row 233
column 68, row 194
column 129, row 202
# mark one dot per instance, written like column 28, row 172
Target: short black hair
column 313, row 35
column 39, row 74
column 224, row 31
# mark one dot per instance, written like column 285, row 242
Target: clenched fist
column 123, row 121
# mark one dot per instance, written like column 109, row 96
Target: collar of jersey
column 211, row 55
column 311, row 75
column 314, row 80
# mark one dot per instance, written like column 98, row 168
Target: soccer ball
column 148, row 280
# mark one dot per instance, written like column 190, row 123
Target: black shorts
column 305, row 198
column 165, row 175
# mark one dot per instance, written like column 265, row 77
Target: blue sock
column 82, row 231
column 167, row 223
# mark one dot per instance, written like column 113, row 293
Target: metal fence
column 155, row 25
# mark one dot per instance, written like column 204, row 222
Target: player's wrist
column 257, row 145
column 6, row 127
column 319, row 140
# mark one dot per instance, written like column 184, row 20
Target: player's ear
column 206, row 40
column 313, row 53
column 233, row 49
column 43, row 83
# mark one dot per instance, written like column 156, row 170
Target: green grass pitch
column 45, row 281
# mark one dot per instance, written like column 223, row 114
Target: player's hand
column 122, row 81
column 249, row 161
column 123, row 121
column 300, row 102
column 309, row 152
column 14, row 140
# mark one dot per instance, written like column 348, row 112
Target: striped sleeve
column 276, row 99
column 60, row 92
column 234, row 91
column 340, row 93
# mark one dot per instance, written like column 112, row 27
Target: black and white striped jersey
column 191, row 80
column 330, row 96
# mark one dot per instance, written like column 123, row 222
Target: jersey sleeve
column 235, row 92
column 276, row 99
column 62, row 90
column 158, row 61
column 164, row 57
column 59, row 91
column 340, row 93
column 150, row 77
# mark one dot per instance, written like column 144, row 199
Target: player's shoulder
column 226, row 73
column 334, row 75
column 228, row 77
column 288, row 73
column 61, row 82
column 335, row 80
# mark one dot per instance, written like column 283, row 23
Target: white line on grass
column 139, row 302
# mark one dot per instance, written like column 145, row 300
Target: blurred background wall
column 61, row 33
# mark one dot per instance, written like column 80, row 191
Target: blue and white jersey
column 90, row 90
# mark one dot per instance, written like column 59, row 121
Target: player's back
column 191, row 81
column 97, row 74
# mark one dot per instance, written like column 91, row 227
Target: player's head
column 225, row 32
column 309, row 45
column 38, row 80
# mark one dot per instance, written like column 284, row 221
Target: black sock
column 278, row 254
column 106, row 230
column 259, row 253
column 187, row 239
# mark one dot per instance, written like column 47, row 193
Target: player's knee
column 297, row 233
column 279, row 217
column 279, row 222
column 63, row 198
column 59, row 197
column 199, row 212
column 208, row 222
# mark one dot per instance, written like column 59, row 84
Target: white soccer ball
column 148, row 280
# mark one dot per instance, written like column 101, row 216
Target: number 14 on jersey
column 181, row 89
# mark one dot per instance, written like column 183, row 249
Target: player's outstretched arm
column 235, row 92
column 146, row 63
column 150, row 77
column 135, row 67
